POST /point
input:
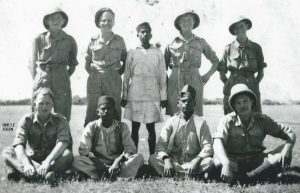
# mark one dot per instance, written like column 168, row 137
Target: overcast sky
column 276, row 27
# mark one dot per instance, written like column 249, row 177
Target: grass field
column 284, row 114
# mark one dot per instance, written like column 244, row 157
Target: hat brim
column 246, row 21
column 247, row 92
column 195, row 16
column 64, row 15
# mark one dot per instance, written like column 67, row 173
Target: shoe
column 13, row 175
column 51, row 178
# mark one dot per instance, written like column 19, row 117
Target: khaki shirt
column 185, row 140
column 110, row 142
column 61, row 51
column 239, row 140
column 106, row 55
column 42, row 138
column 236, row 58
column 188, row 53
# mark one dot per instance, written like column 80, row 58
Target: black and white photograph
column 150, row 96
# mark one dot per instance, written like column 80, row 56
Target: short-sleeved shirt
column 42, row 138
column 237, row 58
column 106, row 143
column 61, row 50
column 188, row 53
column 185, row 140
column 106, row 55
column 240, row 140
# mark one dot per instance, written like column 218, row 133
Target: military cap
column 188, row 90
column 106, row 100
column 144, row 25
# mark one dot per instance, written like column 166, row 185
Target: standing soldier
column 183, row 56
column 54, row 61
column 243, row 58
column 103, row 57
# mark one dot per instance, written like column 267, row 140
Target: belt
column 48, row 67
column 244, row 73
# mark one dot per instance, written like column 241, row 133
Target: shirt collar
column 180, row 37
column 236, row 44
column 60, row 36
column 139, row 46
column 113, row 37
column 238, row 122
column 36, row 120
column 111, row 129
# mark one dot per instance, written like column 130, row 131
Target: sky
column 276, row 27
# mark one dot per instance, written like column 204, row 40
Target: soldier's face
column 55, row 22
column 106, row 111
column 186, row 104
column 43, row 105
column 106, row 22
column 144, row 35
column 240, row 29
column 242, row 104
column 186, row 23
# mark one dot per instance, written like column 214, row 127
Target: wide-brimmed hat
column 237, row 20
column 187, row 12
column 100, row 12
column 52, row 11
column 239, row 89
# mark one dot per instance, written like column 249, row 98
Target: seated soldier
column 238, row 141
column 184, row 147
column 49, row 140
column 106, row 148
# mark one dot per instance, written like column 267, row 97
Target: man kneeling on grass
column 49, row 140
column 185, row 144
column 106, row 148
column 238, row 142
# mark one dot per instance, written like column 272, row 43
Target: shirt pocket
column 115, row 52
column 195, row 52
column 34, row 136
column 236, row 141
column 256, row 138
column 51, row 137
column 252, row 60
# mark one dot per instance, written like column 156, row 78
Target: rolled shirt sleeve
column 205, row 141
column 22, row 132
column 64, row 133
column 275, row 129
column 222, row 130
column 85, row 144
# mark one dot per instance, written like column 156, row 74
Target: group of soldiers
column 185, row 147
